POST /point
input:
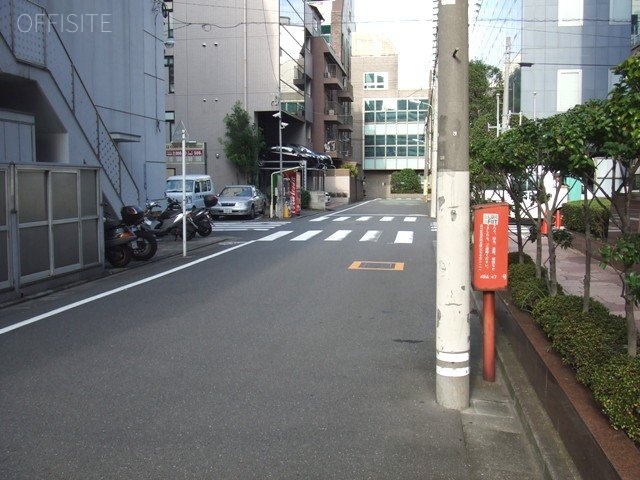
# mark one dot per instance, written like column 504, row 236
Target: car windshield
column 236, row 192
column 176, row 185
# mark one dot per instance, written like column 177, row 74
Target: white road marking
column 306, row 236
column 363, row 219
column 371, row 236
column 108, row 293
column 339, row 235
column 319, row 219
column 275, row 236
column 386, row 219
column 410, row 219
column 404, row 237
column 341, row 219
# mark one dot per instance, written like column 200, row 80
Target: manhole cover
column 362, row 265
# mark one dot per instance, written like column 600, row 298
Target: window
column 376, row 80
column 619, row 11
column 570, row 13
column 569, row 89
column 170, row 120
column 613, row 79
column 168, row 64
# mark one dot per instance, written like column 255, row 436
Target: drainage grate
column 361, row 265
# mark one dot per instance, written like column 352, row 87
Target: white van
column 197, row 187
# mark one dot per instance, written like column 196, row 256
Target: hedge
column 592, row 343
column 599, row 211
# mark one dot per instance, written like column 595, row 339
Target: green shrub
column 599, row 210
column 527, row 293
column 405, row 181
column 551, row 310
column 587, row 340
column 616, row 387
column 513, row 257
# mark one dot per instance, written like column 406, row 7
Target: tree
column 242, row 143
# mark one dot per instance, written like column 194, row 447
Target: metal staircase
column 42, row 49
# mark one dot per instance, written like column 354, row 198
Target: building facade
column 389, row 123
column 81, row 127
column 271, row 56
column 566, row 49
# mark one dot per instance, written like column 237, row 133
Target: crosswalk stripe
column 410, row 219
column 275, row 236
column 319, row 219
column 404, row 237
column 363, row 219
column 306, row 236
column 341, row 219
column 339, row 235
column 371, row 236
column 386, row 219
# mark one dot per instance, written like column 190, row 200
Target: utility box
column 490, row 246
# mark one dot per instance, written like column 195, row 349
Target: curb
column 548, row 449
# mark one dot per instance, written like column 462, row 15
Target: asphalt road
column 263, row 356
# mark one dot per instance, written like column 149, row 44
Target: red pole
column 489, row 336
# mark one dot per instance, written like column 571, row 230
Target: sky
column 407, row 23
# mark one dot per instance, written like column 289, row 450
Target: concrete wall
column 210, row 73
column 117, row 47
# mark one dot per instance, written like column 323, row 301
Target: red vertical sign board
column 293, row 193
column 490, row 246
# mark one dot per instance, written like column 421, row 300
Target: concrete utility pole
column 453, row 249
column 505, row 101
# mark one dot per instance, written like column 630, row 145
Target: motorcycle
column 117, row 243
column 169, row 220
column 203, row 217
column 146, row 245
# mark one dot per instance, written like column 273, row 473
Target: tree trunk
column 632, row 331
column 586, row 296
column 551, row 247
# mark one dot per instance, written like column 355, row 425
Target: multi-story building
column 270, row 55
column 566, row 49
column 389, row 123
column 81, row 126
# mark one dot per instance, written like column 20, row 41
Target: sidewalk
column 606, row 284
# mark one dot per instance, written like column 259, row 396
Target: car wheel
column 252, row 214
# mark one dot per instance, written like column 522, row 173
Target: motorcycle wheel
column 204, row 228
column 119, row 256
column 146, row 245
column 191, row 233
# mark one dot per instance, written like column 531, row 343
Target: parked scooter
column 146, row 245
column 117, row 243
column 169, row 221
column 203, row 217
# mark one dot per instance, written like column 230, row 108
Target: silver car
column 240, row 200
